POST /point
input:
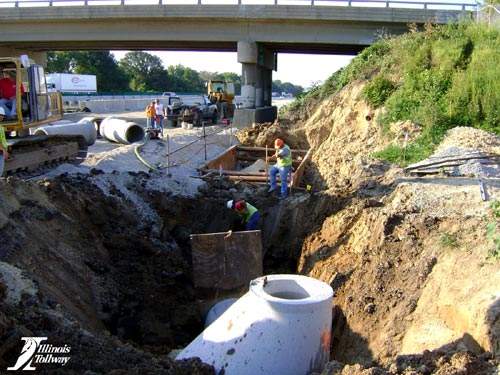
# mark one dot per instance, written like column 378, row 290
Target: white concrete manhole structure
column 282, row 325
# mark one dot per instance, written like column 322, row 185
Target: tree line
column 143, row 72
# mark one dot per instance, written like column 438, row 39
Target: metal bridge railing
column 464, row 6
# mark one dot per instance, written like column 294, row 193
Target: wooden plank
column 295, row 162
column 259, row 149
column 297, row 175
column 226, row 263
column 234, row 173
column 227, row 159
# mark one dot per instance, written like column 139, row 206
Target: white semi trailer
column 71, row 83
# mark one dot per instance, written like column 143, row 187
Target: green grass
column 378, row 90
column 439, row 78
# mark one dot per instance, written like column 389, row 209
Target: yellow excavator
column 221, row 93
column 35, row 106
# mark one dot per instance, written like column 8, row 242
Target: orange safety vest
column 150, row 111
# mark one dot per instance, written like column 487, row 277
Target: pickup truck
column 196, row 111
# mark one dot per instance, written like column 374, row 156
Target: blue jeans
column 283, row 171
column 12, row 104
column 159, row 122
column 149, row 122
column 253, row 222
column 2, row 163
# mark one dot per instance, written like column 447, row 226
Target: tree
column 287, row 87
column 59, row 62
column 145, row 72
column 184, row 79
column 102, row 64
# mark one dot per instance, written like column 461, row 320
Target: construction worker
column 4, row 154
column 8, row 94
column 249, row 214
column 283, row 166
column 150, row 115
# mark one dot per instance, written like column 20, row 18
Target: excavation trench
column 106, row 260
column 118, row 265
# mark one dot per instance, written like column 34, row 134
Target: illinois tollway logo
column 35, row 353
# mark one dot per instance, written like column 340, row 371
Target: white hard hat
column 2, row 111
column 229, row 204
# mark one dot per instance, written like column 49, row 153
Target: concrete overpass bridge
column 256, row 31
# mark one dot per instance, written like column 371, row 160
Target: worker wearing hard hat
column 283, row 166
column 4, row 154
column 249, row 214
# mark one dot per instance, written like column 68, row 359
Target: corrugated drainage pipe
column 121, row 131
column 282, row 325
column 84, row 128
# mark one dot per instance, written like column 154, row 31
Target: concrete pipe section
column 121, row 131
column 94, row 120
column 218, row 309
column 282, row 325
column 82, row 127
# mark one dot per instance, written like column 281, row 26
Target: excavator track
column 35, row 155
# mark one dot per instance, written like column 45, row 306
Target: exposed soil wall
column 99, row 269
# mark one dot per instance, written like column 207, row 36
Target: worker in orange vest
column 150, row 115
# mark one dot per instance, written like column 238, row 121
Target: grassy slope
column 439, row 78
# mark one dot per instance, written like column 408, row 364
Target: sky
column 303, row 70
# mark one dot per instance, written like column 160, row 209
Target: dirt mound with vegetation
column 413, row 261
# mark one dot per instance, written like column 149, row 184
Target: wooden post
column 168, row 155
column 267, row 167
column 204, row 139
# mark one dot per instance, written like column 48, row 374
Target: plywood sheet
column 226, row 263
column 226, row 160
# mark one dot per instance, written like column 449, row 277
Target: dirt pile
column 107, row 282
column 470, row 138
column 262, row 135
column 438, row 363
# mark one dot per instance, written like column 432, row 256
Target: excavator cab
column 34, row 106
column 222, row 94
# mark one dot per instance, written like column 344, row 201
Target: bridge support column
column 267, row 80
column 257, row 64
column 247, row 56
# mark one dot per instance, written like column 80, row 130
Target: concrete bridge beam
column 39, row 57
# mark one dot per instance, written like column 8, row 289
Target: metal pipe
column 282, row 325
column 82, row 127
column 121, row 131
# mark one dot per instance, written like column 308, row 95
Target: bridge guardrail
column 464, row 6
